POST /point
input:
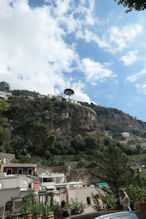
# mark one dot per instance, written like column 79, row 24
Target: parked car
column 119, row 215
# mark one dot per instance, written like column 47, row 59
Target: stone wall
column 6, row 157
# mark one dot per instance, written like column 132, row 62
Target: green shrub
column 92, row 164
column 47, row 154
column 82, row 163
column 109, row 200
column 77, row 207
column 56, row 208
column 137, row 193
column 46, row 210
column 37, row 209
column 28, row 201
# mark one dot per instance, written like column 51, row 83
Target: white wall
column 6, row 194
column 10, row 181
column 82, row 194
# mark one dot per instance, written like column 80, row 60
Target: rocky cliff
column 62, row 117
column 74, row 120
column 65, row 118
column 115, row 120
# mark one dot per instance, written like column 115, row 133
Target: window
column 88, row 201
column 9, row 171
column 8, row 206
column 29, row 171
column 44, row 179
column 20, row 171
column 47, row 180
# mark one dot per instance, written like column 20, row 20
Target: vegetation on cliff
column 54, row 132
column 115, row 120
column 49, row 127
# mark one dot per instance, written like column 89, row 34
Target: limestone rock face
column 118, row 121
column 75, row 120
column 62, row 118
column 4, row 86
column 115, row 120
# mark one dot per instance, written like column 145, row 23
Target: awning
column 50, row 187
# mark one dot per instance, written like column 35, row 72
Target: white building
column 75, row 185
column 12, row 189
column 12, row 181
column 53, row 187
column 52, row 181
column 62, row 190
column 5, row 94
column 125, row 134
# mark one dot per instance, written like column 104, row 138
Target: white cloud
column 79, row 94
column 141, row 88
column 95, row 71
column 31, row 45
column 33, row 53
column 115, row 38
column 73, row 15
column 122, row 37
column 135, row 77
column 129, row 58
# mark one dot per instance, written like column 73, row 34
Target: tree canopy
column 133, row 4
column 114, row 168
column 3, row 105
column 68, row 92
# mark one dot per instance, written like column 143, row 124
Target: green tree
column 17, row 142
column 91, row 142
column 127, row 150
column 78, row 143
column 137, row 193
column 139, row 148
column 5, row 137
column 63, row 145
column 3, row 106
column 114, row 168
column 133, row 4
column 68, row 92
column 41, row 140
column 29, row 201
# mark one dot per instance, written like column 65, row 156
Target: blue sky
column 93, row 47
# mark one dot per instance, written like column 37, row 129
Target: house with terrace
column 20, row 169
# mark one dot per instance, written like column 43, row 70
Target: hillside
column 53, row 132
column 62, row 117
column 65, row 118
column 115, row 120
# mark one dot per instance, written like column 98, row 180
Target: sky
column 90, row 46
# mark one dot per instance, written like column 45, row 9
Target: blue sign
column 41, row 193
